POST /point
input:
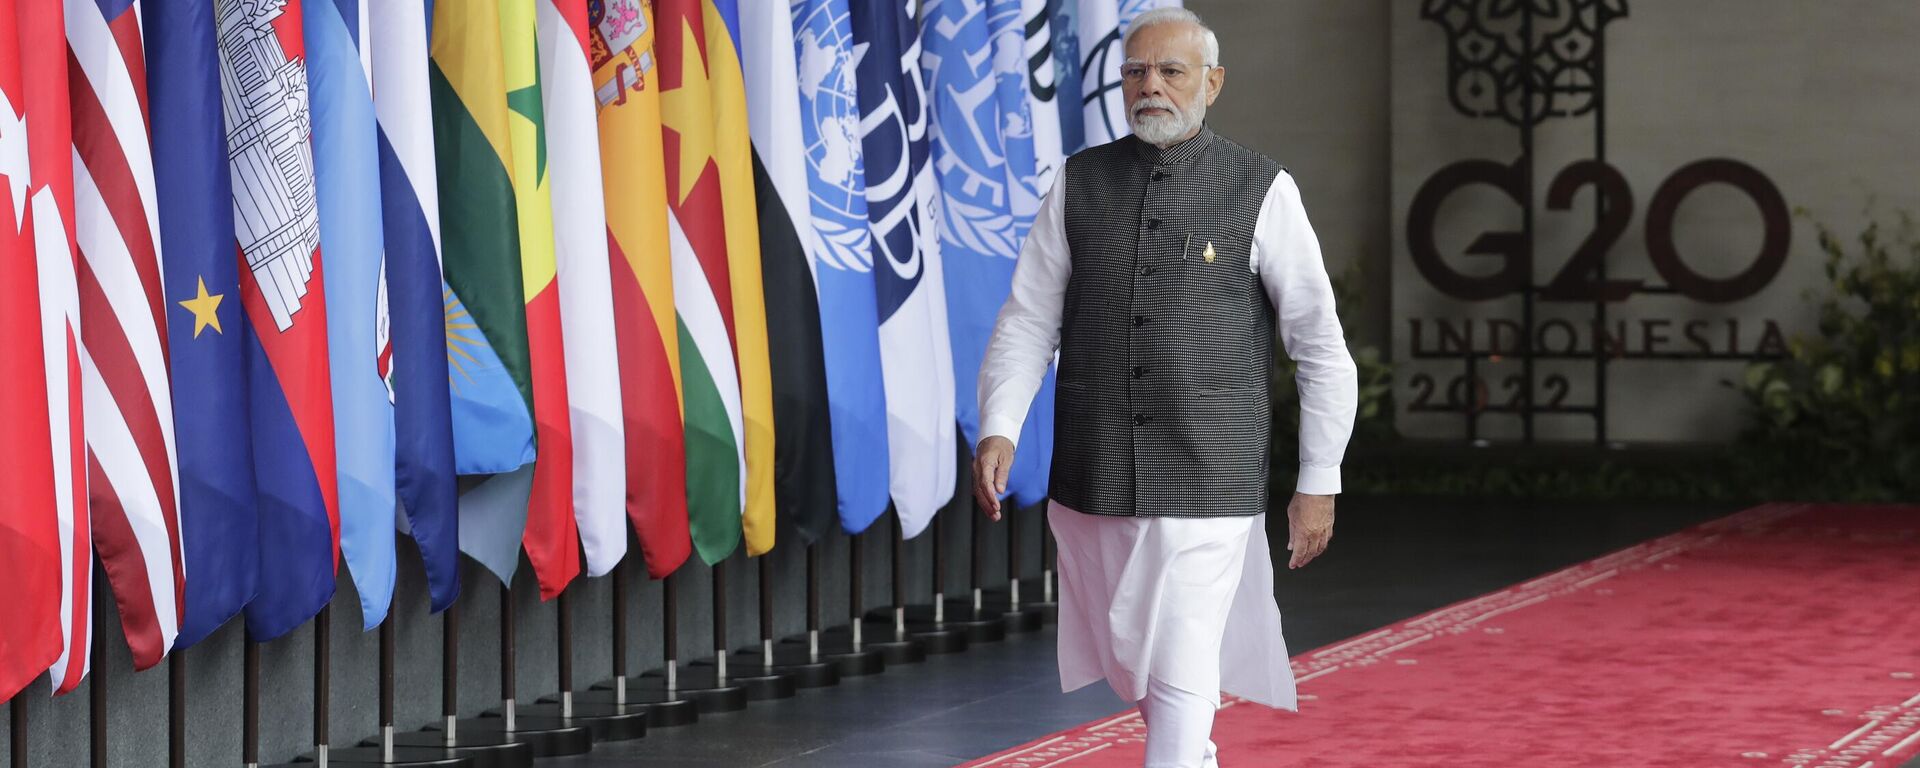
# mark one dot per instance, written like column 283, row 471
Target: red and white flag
column 43, row 68
column 30, row 552
column 129, row 405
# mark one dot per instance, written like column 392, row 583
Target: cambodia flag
column 276, row 221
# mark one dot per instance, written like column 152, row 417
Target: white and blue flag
column 975, row 64
column 902, row 205
column 842, row 250
column 346, row 160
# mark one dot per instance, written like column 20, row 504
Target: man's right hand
column 991, row 459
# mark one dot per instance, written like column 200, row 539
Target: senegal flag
column 703, row 289
column 552, row 538
column 626, row 88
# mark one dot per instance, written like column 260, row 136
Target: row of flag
column 280, row 276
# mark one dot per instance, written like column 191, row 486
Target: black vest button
column 1146, row 270
column 1158, row 175
column 1139, row 372
column 1139, row 320
column 1140, row 420
column 1153, row 223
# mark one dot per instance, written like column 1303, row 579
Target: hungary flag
column 626, row 87
column 703, row 289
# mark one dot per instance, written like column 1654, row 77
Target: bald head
column 1171, row 75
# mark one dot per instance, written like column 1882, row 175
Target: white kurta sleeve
column 1286, row 255
column 1027, row 332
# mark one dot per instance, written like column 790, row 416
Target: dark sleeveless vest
column 1166, row 339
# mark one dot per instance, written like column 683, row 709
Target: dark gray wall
column 137, row 719
column 1307, row 84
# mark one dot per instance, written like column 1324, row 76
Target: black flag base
column 789, row 661
column 937, row 636
column 606, row 723
column 411, row 757
column 1035, row 598
column 761, row 684
column 699, row 684
column 987, row 626
column 486, row 750
column 549, row 739
column 895, row 650
column 846, row 661
column 662, row 711
column 1030, row 616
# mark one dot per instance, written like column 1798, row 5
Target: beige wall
column 1817, row 101
column 1351, row 96
column 1307, row 85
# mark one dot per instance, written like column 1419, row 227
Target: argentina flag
column 916, row 358
column 975, row 110
column 843, row 258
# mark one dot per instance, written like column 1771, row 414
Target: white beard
column 1164, row 130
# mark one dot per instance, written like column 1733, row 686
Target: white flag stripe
column 402, row 99
column 773, row 114
column 113, row 447
column 99, row 56
column 700, row 313
column 59, row 334
column 585, row 279
column 106, row 253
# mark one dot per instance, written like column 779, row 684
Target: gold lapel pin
column 1208, row 253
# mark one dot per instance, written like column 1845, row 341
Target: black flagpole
column 800, row 668
column 921, row 623
column 709, row 686
column 901, row 649
column 447, row 738
column 17, row 737
column 1016, row 619
column 176, row 710
column 250, row 707
column 322, row 690
column 606, row 709
column 967, row 614
column 97, row 699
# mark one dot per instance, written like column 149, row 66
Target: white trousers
column 1179, row 728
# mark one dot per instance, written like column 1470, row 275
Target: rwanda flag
column 486, row 314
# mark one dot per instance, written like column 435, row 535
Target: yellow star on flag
column 688, row 110
column 205, row 309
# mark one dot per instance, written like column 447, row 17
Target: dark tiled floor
column 1390, row 560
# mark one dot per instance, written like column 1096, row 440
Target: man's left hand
column 1309, row 527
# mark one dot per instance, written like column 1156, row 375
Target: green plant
column 1840, row 416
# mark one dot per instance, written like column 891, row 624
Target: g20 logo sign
column 1578, row 279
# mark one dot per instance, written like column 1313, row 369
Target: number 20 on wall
column 1578, row 280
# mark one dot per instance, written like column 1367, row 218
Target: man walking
column 1160, row 267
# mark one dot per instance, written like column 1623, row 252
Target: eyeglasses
column 1174, row 75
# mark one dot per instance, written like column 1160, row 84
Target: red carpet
column 1785, row 636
